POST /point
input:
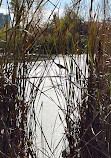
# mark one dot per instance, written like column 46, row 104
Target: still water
column 52, row 86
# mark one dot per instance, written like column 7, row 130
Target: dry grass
column 80, row 82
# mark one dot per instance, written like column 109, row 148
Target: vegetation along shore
column 55, row 79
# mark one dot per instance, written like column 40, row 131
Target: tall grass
column 94, row 126
column 15, row 66
column 80, row 82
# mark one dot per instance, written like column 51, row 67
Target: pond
column 57, row 83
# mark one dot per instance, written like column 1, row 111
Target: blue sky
column 4, row 4
column 84, row 11
column 61, row 2
column 47, row 9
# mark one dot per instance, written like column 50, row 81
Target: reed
column 92, row 137
column 16, row 40
column 81, row 81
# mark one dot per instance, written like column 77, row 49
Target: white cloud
column 3, row 10
column 49, row 13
